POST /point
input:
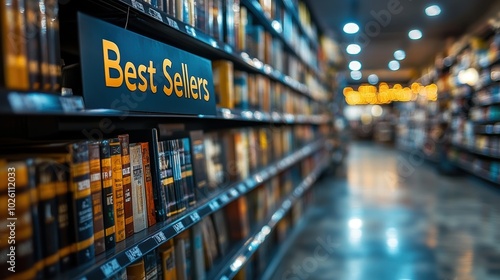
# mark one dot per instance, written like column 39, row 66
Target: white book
column 138, row 189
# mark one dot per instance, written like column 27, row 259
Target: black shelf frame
column 234, row 262
column 197, row 41
column 135, row 247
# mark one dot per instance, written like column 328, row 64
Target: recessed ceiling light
column 373, row 79
column 351, row 28
column 356, row 75
column 353, row 49
column 433, row 10
column 394, row 65
column 354, row 65
column 399, row 54
column 415, row 34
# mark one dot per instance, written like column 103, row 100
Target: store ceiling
column 456, row 18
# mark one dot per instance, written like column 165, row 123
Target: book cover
column 117, row 169
column 14, row 57
column 188, row 170
column 127, row 185
column 220, row 223
column 167, row 179
column 199, row 164
column 107, row 195
column 150, row 265
column 82, row 202
column 198, row 252
column 148, row 184
column 47, row 209
column 223, row 75
column 136, row 271
column 241, row 90
column 96, row 190
column 168, row 260
column 237, row 217
column 138, row 190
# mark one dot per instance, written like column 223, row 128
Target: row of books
column 82, row 199
column 488, row 169
column 485, row 113
column 30, row 55
column 483, row 143
column 247, row 91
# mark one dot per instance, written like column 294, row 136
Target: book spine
column 202, row 15
column 237, row 216
column 189, row 171
column 44, row 46
column 127, row 186
column 229, row 22
column 184, row 179
column 167, row 254
column 241, row 90
column 32, row 44
column 223, row 75
column 180, row 256
column 199, row 164
column 242, row 36
column 216, row 23
column 148, row 184
column 82, row 202
column 136, row 271
column 177, row 174
column 107, row 195
column 167, row 180
column 198, row 258
column 96, row 189
column 14, row 57
column 219, row 221
column 138, row 191
column 116, row 167
column 47, row 209
column 53, row 43
column 156, row 171
column 150, row 265
column 64, row 214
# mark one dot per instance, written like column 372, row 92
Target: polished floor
column 390, row 215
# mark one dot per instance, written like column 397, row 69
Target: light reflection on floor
column 392, row 216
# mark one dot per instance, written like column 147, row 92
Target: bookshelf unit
column 286, row 142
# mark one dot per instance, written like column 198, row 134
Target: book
column 117, row 169
column 237, row 217
column 52, row 9
column 82, row 202
column 170, row 7
column 15, row 71
column 229, row 15
column 187, row 172
column 176, row 155
column 167, row 255
column 107, row 195
column 216, row 19
column 136, row 270
column 198, row 252
column 32, row 44
column 199, row 164
column 241, row 152
column 221, row 230
column 96, row 190
column 150, row 265
column 253, row 150
column 138, row 190
column 241, row 90
column 167, row 179
column 158, row 167
column 127, row 185
column 241, row 43
column 43, row 46
column 223, row 76
column 229, row 155
column 183, row 255
column 253, row 97
column 202, row 15
column 148, row 184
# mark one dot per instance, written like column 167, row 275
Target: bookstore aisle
column 372, row 224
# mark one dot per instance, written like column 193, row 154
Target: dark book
column 199, row 164
column 148, row 184
column 96, row 189
column 150, row 265
column 241, row 90
column 127, row 186
column 214, row 159
column 82, row 202
column 237, row 217
column 179, row 184
column 52, row 9
column 43, row 46
column 33, row 44
column 157, row 173
column 14, row 61
column 197, row 247
column 167, row 179
column 229, row 28
column 216, row 19
column 221, row 230
column 229, row 156
column 118, row 202
column 202, row 15
column 210, row 249
column 107, row 196
column 188, row 170
column 47, row 213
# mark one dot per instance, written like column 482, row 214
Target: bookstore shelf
column 233, row 263
column 257, row 10
column 487, row 129
column 198, row 41
column 135, row 247
column 479, row 172
column 476, row 151
column 289, row 6
column 492, row 100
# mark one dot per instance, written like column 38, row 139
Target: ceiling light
column 373, row 79
column 394, row 65
column 351, row 28
column 415, row 34
column 399, row 54
column 355, row 65
column 433, row 10
column 356, row 75
column 353, row 49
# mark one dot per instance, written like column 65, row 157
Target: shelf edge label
column 125, row 71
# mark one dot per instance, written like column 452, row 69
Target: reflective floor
column 389, row 215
